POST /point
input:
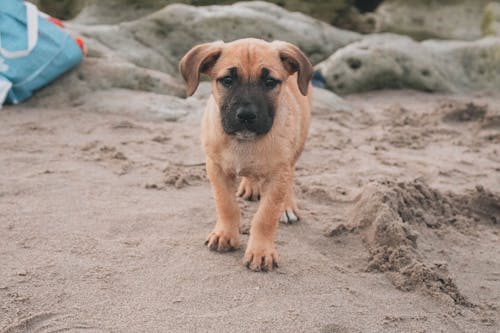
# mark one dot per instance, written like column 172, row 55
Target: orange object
column 81, row 43
column 59, row 23
column 56, row 21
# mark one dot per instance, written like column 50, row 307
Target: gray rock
column 116, row 11
column 471, row 65
column 137, row 55
column 143, row 105
column 203, row 92
column 159, row 40
column 392, row 61
column 445, row 19
column 341, row 13
column 62, row 9
column 326, row 102
column 490, row 25
column 94, row 75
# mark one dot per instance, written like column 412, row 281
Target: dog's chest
column 243, row 159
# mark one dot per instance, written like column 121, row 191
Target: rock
column 137, row 55
column 392, row 61
column 95, row 75
column 383, row 61
column 159, row 40
column 203, row 92
column 491, row 20
column 116, row 11
column 143, row 105
column 325, row 102
column 447, row 19
column 472, row 66
column 62, row 9
column 341, row 13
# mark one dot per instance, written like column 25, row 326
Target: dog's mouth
column 245, row 135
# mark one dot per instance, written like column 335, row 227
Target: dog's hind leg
column 249, row 189
column 289, row 211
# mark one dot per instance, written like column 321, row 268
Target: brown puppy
column 255, row 126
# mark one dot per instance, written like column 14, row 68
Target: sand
column 103, row 216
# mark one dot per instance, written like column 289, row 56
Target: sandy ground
column 103, row 216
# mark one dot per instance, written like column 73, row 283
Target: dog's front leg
column 226, row 233
column 261, row 254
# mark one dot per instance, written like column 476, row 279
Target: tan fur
column 267, row 162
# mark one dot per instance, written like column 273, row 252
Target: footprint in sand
column 109, row 156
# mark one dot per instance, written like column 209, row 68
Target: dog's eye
column 270, row 83
column 227, row 81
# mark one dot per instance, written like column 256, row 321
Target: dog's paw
column 222, row 241
column 288, row 216
column 261, row 257
column 249, row 190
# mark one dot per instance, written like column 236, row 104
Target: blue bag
column 33, row 51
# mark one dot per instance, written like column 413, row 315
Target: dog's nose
column 246, row 114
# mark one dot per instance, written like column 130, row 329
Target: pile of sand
column 389, row 215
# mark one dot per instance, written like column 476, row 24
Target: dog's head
column 247, row 78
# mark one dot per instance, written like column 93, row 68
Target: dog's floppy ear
column 295, row 61
column 200, row 59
